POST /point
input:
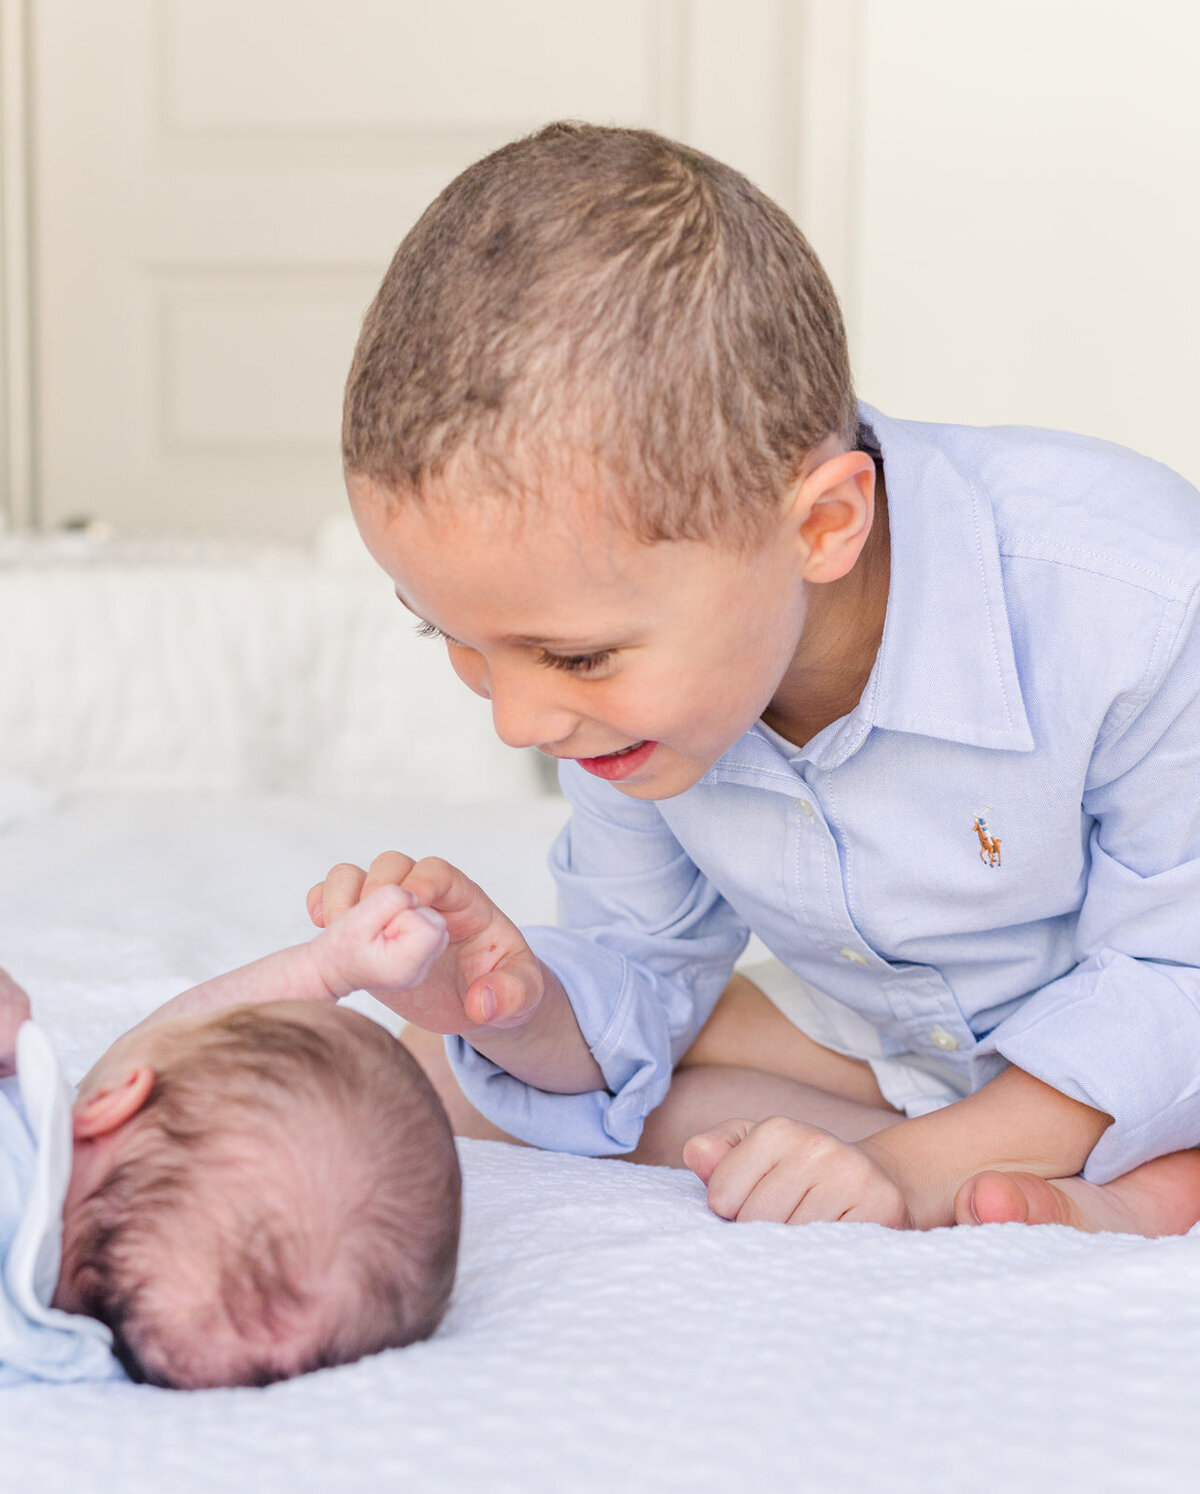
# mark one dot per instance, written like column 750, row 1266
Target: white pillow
column 168, row 665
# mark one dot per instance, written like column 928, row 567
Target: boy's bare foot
column 1159, row 1198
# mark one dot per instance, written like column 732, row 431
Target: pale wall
column 1005, row 193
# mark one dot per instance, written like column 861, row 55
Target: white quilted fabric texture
column 607, row 1332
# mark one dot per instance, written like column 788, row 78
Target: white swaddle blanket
column 37, row 1341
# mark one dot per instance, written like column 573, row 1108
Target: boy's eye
column 572, row 663
column 428, row 630
column 576, row 663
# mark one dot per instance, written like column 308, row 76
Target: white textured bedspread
column 607, row 1332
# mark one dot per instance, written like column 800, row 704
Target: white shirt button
column 942, row 1039
column 855, row 958
column 806, row 807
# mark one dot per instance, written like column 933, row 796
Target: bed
column 606, row 1332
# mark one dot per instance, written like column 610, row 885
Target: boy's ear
column 835, row 507
column 114, row 1102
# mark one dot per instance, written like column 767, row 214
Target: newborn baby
column 253, row 1183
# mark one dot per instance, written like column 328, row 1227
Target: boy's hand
column 14, row 1009
column 789, row 1173
column 486, row 977
column 385, row 944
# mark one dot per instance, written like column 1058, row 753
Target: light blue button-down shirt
column 1040, row 674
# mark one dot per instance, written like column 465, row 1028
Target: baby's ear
column 113, row 1102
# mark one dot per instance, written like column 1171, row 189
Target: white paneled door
column 219, row 184
column 1007, row 197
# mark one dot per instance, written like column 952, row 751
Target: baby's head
column 257, row 1193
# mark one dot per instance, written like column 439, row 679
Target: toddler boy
column 917, row 705
column 253, row 1183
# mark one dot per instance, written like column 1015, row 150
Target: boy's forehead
column 566, row 528
column 538, row 577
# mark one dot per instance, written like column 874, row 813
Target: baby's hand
column 487, row 976
column 14, row 1009
column 789, row 1173
column 385, row 944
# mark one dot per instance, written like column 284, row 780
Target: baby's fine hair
column 607, row 308
column 291, row 1200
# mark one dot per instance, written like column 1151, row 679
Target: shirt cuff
column 1121, row 1035
column 633, row 1026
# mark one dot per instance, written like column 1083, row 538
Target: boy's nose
column 527, row 715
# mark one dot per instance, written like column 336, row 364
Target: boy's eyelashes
column 427, row 630
column 576, row 663
column 572, row 663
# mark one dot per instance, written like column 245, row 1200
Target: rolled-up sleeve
column 1121, row 1031
column 644, row 947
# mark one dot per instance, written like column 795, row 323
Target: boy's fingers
column 11, row 993
column 504, row 996
column 779, row 1197
column 382, row 904
column 757, row 1150
column 341, row 889
column 347, row 884
column 822, row 1204
column 703, row 1152
column 443, row 886
column 390, row 869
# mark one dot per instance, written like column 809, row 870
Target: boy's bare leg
column 748, row 1031
column 699, row 1095
column 748, row 1060
column 429, row 1049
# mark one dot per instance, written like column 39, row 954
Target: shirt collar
column 945, row 666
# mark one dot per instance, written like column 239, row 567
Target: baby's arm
column 14, row 1009
column 490, row 987
column 385, row 942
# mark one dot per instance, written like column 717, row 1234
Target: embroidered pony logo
column 989, row 845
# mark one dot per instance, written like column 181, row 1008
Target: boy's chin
column 665, row 778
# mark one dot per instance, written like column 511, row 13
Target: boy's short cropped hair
column 290, row 1200
column 602, row 309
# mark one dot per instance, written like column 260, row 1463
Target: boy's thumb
column 701, row 1153
column 502, row 997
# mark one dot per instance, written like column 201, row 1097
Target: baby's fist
column 14, row 1010
column 387, row 942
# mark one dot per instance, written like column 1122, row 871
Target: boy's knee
column 736, row 1012
column 681, row 1115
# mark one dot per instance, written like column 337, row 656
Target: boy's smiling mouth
column 619, row 764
